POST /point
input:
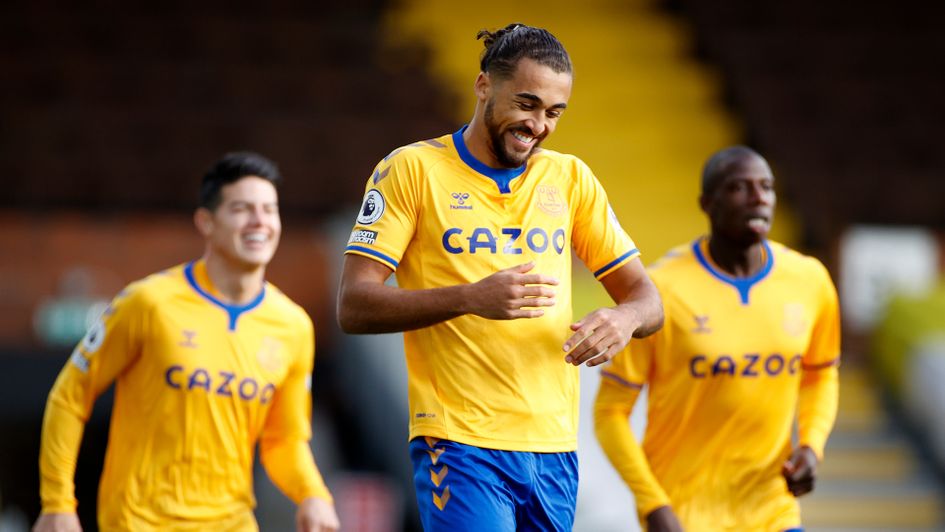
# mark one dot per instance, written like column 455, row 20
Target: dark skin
column 663, row 519
column 739, row 202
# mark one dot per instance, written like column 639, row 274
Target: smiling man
column 751, row 339
column 209, row 359
column 479, row 227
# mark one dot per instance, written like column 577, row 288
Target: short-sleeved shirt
column 439, row 217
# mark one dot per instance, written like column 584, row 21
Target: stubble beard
column 505, row 159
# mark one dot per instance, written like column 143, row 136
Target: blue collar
column 501, row 176
column 234, row 311
column 742, row 284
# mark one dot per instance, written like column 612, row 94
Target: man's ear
column 483, row 87
column 704, row 202
column 203, row 220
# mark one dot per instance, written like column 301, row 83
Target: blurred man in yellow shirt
column 751, row 338
column 209, row 359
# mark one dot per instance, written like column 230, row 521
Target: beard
column 505, row 158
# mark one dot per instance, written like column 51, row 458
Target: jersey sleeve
column 111, row 344
column 621, row 382
column 389, row 211
column 824, row 348
column 284, row 442
column 598, row 239
column 819, row 392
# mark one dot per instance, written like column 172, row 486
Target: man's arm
column 816, row 412
column 367, row 305
column 284, row 442
column 603, row 333
column 111, row 345
column 612, row 408
column 819, row 391
column 61, row 438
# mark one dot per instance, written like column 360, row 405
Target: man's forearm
column 369, row 308
column 59, row 451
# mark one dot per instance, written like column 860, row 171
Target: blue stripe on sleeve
column 377, row 254
column 620, row 380
column 615, row 262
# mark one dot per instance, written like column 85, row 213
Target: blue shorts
column 465, row 488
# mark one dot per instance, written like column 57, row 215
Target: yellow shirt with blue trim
column 198, row 384
column 439, row 217
column 736, row 360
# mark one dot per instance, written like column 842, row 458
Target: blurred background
column 111, row 111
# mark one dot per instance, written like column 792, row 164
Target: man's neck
column 476, row 140
column 238, row 286
column 735, row 259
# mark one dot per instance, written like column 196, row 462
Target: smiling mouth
column 523, row 137
column 758, row 223
column 255, row 238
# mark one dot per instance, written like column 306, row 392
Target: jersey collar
column 501, row 176
column 742, row 284
column 197, row 270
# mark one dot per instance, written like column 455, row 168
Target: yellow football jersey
column 199, row 382
column 439, row 217
column 734, row 362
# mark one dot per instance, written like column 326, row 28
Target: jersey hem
column 495, row 444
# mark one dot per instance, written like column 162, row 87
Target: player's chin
column 256, row 259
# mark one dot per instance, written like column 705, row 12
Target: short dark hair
column 233, row 167
column 505, row 47
column 717, row 167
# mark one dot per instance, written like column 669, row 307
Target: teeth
column 758, row 223
column 522, row 137
column 255, row 237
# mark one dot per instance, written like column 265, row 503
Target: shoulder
column 155, row 289
column 419, row 154
column 563, row 161
column 677, row 261
column 287, row 309
column 797, row 264
column 407, row 166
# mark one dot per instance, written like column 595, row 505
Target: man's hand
column 511, row 294
column 599, row 336
column 663, row 519
column 800, row 470
column 316, row 515
column 66, row 522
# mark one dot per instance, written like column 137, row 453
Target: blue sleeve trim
column 615, row 262
column 620, row 380
column 377, row 254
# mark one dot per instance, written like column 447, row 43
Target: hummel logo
column 188, row 339
column 701, row 325
column 460, row 198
